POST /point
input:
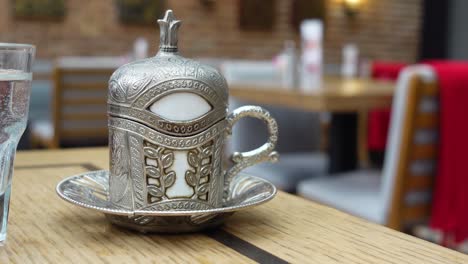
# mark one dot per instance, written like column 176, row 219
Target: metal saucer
column 91, row 190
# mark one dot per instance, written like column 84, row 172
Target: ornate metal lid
column 136, row 86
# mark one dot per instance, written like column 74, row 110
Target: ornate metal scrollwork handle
column 263, row 153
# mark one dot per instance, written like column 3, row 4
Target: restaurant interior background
column 80, row 43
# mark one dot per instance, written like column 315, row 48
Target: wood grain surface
column 45, row 229
column 335, row 95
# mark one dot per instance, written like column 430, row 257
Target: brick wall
column 383, row 29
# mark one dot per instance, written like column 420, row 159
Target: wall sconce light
column 208, row 4
column 351, row 7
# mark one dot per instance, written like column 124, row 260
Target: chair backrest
column 80, row 103
column 410, row 161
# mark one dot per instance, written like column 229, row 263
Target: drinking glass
column 15, row 89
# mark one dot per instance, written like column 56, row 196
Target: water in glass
column 15, row 87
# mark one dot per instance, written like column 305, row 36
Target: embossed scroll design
column 136, row 168
column 198, row 177
column 132, row 80
column 158, row 175
column 119, row 169
column 139, row 110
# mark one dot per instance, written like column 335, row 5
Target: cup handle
column 263, row 153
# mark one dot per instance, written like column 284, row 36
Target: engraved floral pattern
column 200, row 159
column 158, row 175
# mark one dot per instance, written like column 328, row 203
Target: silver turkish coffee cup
column 168, row 123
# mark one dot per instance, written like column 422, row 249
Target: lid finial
column 168, row 32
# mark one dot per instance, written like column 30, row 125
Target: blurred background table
column 43, row 228
column 335, row 95
column 344, row 98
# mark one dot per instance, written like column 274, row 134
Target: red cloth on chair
column 450, row 200
column 386, row 70
column 379, row 119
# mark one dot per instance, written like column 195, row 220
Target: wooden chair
column 399, row 195
column 79, row 110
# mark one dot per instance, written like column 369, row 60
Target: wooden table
column 345, row 98
column 45, row 229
